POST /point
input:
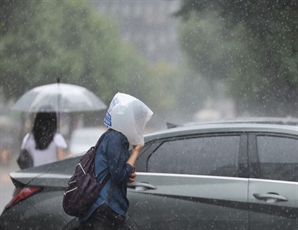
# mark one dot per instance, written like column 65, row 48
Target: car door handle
column 141, row 186
column 270, row 197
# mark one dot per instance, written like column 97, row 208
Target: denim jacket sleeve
column 117, row 154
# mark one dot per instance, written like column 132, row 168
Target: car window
column 217, row 155
column 278, row 157
column 141, row 163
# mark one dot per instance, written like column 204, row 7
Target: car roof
column 263, row 125
column 255, row 120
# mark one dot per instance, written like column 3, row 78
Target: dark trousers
column 104, row 218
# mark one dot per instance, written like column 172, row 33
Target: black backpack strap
column 105, row 180
column 111, row 191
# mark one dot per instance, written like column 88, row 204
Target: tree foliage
column 44, row 40
column 249, row 44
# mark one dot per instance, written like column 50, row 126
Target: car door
column 192, row 183
column 273, row 186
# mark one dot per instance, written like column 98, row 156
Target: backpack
column 25, row 159
column 83, row 189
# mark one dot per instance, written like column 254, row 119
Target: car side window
column 278, row 157
column 216, row 155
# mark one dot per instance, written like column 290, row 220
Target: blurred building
column 149, row 25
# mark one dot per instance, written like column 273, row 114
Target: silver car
column 221, row 175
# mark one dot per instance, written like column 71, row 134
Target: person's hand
column 134, row 154
column 137, row 147
column 132, row 177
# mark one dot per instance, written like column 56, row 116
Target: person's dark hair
column 44, row 129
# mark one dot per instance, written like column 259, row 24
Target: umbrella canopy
column 58, row 97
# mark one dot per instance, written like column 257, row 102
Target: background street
column 6, row 186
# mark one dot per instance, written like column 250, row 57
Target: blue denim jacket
column 111, row 155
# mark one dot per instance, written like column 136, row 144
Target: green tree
column 44, row 40
column 249, row 44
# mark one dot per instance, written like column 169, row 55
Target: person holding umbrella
column 51, row 99
column 43, row 143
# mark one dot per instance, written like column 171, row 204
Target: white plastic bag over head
column 128, row 115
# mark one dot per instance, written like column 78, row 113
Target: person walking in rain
column 43, row 143
column 126, row 119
